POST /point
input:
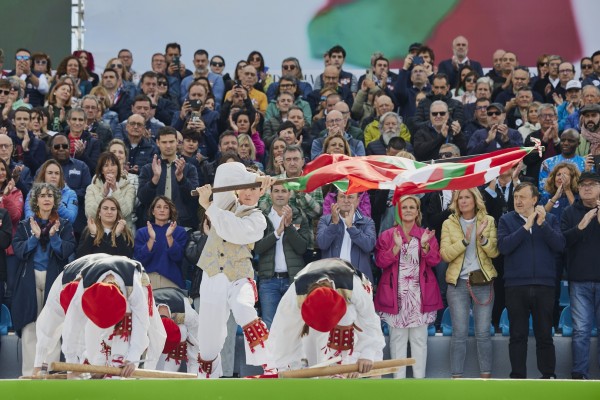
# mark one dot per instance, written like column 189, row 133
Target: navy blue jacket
column 477, row 144
column 582, row 245
column 24, row 304
column 529, row 258
column 406, row 94
column 187, row 206
column 37, row 150
column 142, row 154
column 25, row 179
column 446, row 67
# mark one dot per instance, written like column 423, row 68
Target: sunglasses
column 22, row 58
column 438, row 113
column 490, row 113
column 217, row 64
column 256, row 58
column 116, row 65
column 5, row 92
column 470, row 80
column 63, row 146
column 446, row 154
column 543, row 64
column 586, row 66
column 162, row 83
column 288, row 67
column 41, row 62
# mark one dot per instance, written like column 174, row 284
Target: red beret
column 323, row 308
column 104, row 304
column 173, row 335
column 66, row 295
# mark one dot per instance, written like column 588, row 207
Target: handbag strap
column 475, row 299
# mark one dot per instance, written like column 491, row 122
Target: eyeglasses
column 162, row 83
column 136, row 124
column 41, row 62
column 287, row 85
column 5, row 92
column 490, row 113
column 288, row 67
column 438, row 113
column 22, row 58
column 586, row 66
column 63, row 146
column 6, row 146
column 334, row 121
column 547, row 116
column 217, row 64
column 588, row 185
column 446, row 154
column 565, row 71
column 116, row 66
column 256, row 58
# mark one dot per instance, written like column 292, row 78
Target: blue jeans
column 459, row 301
column 585, row 302
column 270, row 292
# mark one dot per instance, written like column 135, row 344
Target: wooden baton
column 343, row 369
column 222, row 189
column 138, row 373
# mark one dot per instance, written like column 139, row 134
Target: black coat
column 24, row 303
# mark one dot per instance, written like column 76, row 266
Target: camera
column 418, row 60
column 195, row 105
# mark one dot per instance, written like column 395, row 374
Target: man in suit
column 450, row 67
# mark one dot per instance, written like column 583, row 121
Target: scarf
column 593, row 138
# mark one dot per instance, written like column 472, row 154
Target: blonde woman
column 468, row 245
column 408, row 294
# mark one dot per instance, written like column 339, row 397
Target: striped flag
column 358, row 174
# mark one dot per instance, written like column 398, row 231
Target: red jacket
column 13, row 203
column 386, row 296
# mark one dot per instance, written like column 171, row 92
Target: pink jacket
column 386, row 296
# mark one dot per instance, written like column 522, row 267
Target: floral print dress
column 409, row 291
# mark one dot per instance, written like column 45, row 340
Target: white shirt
column 280, row 264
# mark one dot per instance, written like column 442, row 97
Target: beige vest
column 220, row 256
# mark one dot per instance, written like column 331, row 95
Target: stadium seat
column 564, row 299
column 504, row 323
column 5, row 320
column 446, row 323
column 566, row 322
column 431, row 330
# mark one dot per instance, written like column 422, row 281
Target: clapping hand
column 54, row 228
column 120, row 226
column 171, row 229
column 91, row 225
column 35, row 228
column 427, row 235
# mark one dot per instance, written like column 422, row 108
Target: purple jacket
column 386, row 296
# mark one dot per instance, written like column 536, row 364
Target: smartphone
column 196, row 116
column 370, row 74
column 237, row 83
column 418, row 60
column 176, row 61
column 195, row 104
column 597, row 163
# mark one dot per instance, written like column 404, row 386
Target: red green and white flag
column 404, row 176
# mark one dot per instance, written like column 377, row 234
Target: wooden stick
column 222, row 189
column 379, row 372
column 343, row 369
column 138, row 373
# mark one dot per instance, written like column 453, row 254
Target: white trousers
column 28, row 335
column 399, row 338
column 219, row 296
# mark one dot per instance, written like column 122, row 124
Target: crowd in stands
column 104, row 159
